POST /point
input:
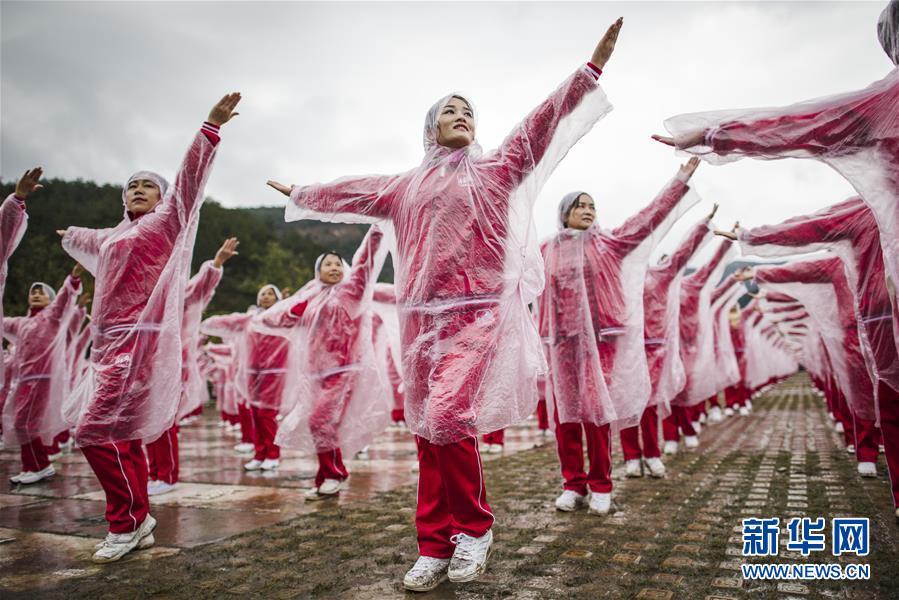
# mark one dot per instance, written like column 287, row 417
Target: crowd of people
column 483, row 326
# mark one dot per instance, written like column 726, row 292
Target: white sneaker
column 749, row 405
column 881, row 449
column 670, row 448
column 363, row 454
column 715, row 415
column 832, row 417
column 56, row 456
column 744, row 412
column 117, row 545
column 656, row 467
column 16, row 478
column 728, row 412
column 850, row 449
column 253, row 465
column 600, row 503
column 495, row 448
column 155, row 488
column 470, row 558
column 401, row 425
column 145, row 542
column 691, row 442
column 633, row 468
column 426, row 574
column 839, row 427
column 35, row 476
column 329, row 487
column 697, row 426
column 867, row 469
column 244, row 447
column 570, row 501
column 702, row 418
column 269, row 464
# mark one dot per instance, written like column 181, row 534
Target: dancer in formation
column 591, row 320
column 32, row 412
column 141, row 267
column 466, row 266
column 343, row 401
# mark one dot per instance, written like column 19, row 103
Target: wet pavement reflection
column 48, row 530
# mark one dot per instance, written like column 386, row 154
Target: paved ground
column 227, row 533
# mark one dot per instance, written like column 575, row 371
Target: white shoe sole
column 424, row 588
column 480, row 570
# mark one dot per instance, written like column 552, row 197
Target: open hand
column 77, row 270
column 28, row 183
column 228, row 249
column 688, row 169
column 606, row 45
column 689, row 140
column 223, row 111
column 712, row 214
column 284, row 189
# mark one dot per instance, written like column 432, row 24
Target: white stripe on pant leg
column 128, row 485
column 481, row 481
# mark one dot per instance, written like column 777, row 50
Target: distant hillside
column 271, row 251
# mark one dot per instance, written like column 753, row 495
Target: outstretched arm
column 13, row 217
column 695, row 240
column 644, row 223
column 366, row 263
column 225, row 325
column 526, row 145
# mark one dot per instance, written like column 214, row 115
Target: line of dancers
column 483, row 325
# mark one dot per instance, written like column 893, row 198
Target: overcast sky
column 98, row 90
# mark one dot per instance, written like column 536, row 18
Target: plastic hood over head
column 268, row 286
column 568, row 200
column 156, row 178
column 321, row 257
column 47, row 289
column 888, row 30
column 430, row 129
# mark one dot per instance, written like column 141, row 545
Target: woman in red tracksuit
column 466, row 269
column 261, row 373
column 344, row 402
column 141, row 268
column 661, row 310
column 162, row 454
column 591, row 320
column 40, row 376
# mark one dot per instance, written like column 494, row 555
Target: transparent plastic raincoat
column 467, row 261
column 141, row 268
column 200, row 290
column 822, row 287
column 849, row 230
column 13, row 222
column 590, row 314
column 661, row 312
column 856, row 133
column 39, row 374
column 343, row 399
column 697, row 334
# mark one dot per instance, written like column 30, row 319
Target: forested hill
column 271, row 251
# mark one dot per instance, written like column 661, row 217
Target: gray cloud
column 98, row 90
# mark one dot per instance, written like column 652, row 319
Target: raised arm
column 225, row 325
column 525, row 147
column 367, row 263
column 186, row 194
column 833, row 125
column 805, row 271
column 368, row 196
column 201, row 286
column 697, row 237
column 65, row 298
column 640, row 226
column 83, row 245
column 703, row 273
column 825, row 226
